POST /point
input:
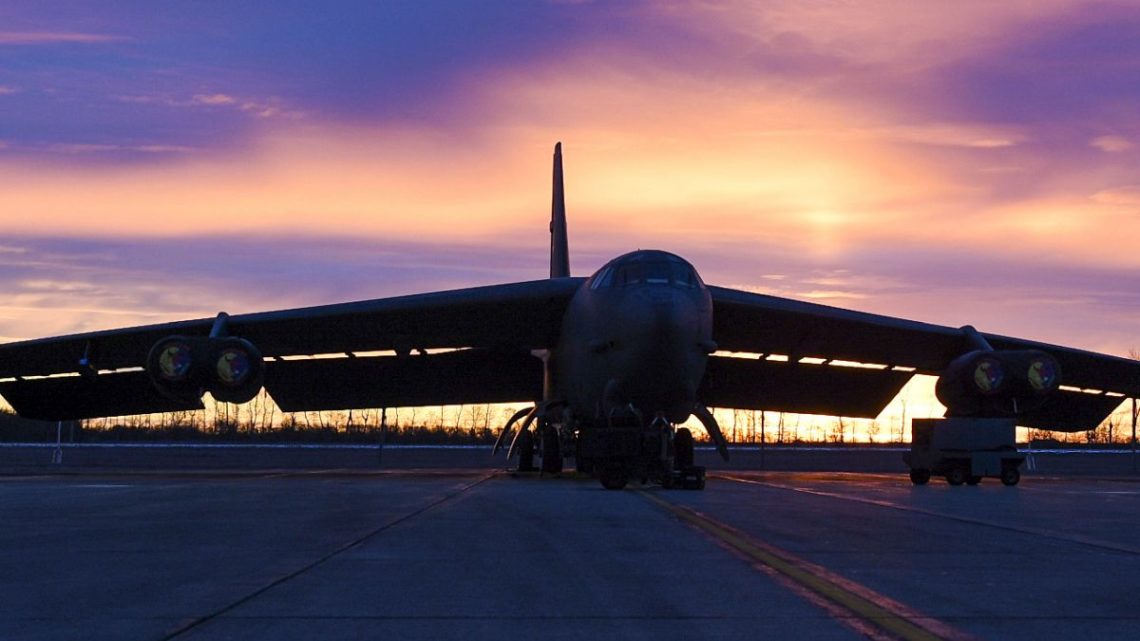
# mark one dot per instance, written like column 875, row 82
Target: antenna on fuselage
column 559, row 246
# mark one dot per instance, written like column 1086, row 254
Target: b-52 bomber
column 610, row 364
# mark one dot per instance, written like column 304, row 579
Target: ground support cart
column 964, row 450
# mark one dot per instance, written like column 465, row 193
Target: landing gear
column 583, row 463
column 685, row 474
column 551, row 450
column 683, row 448
column 973, row 480
column 525, row 445
column 627, row 448
column 920, row 476
column 613, row 477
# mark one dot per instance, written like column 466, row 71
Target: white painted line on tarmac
column 1104, row 545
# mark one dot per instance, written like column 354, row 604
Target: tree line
column 260, row 421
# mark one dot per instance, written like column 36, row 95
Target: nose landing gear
column 686, row 475
column 656, row 453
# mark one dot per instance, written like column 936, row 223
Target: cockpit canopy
column 650, row 267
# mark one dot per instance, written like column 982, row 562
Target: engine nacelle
column 185, row 367
column 997, row 383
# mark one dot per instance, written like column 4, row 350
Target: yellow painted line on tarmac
column 880, row 611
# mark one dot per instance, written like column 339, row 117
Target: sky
column 951, row 162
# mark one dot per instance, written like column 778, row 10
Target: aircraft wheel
column 973, row 480
column 956, row 476
column 683, row 449
column 583, row 464
column 919, row 476
column 551, row 450
column 1010, row 476
column 613, row 477
column 526, row 451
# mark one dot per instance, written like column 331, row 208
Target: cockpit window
column 649, row 272
column 605, row 278
column 685, row 276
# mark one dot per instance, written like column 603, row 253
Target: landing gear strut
column 656, row 452
column 525, row 445
column 685, row 474
column 551, row 450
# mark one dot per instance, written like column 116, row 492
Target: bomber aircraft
column 612, row 363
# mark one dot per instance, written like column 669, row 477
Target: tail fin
column 559, row 246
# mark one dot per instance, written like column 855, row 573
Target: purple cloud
column 360, row 62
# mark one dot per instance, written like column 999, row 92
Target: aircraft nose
column 663, row 321
column 662, row 364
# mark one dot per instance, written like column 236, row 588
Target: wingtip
column 558, row 148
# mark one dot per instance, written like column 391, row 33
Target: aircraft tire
column 696, row 483
column 919, row 476
column 583, row 464
column 526, row 451
column 551, row 450
column 956, row 475
column 683, row 449
column 1010, row 476
column 613, row 477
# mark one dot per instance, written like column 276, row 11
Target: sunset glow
column 967, row 163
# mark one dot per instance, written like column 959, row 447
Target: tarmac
column 148, row 552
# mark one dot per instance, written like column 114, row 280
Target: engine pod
column 176, row 365
column 237, row 370
column 997, row 383
column 185, row 367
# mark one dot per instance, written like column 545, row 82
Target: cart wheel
column 1010, row 476
column 973, row 480
column 919, row 476
column 956, row 476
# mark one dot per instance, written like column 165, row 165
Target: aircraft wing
column 492, row 330
column 767, row 325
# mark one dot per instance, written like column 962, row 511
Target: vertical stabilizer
column 559, row 246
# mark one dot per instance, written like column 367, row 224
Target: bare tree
column 873, row 431
column 837, row 430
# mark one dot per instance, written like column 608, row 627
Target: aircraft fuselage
column 636, row 335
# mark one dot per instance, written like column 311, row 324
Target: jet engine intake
column 185, row 367
column 997, row 383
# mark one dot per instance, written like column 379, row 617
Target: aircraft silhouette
column 612, row 363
